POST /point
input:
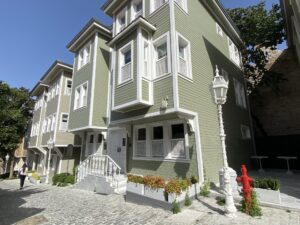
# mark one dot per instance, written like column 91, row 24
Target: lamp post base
column 230, row 208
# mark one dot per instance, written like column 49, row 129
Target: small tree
column 261, row 30
column 16, row 110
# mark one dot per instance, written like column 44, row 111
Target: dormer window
column 137, row 9
column 121, row 20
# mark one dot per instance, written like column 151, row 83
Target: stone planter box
column 180, row 198
column 194, row 190
column 157, row 194
column 268, row 196
column 136, row 188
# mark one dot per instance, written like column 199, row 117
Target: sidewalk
column 49, row 205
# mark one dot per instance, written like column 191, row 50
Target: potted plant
column 267, row 190
column 154, row 187
column 135, row 184
column 35, row 178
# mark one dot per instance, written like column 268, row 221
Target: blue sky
column 34, row 33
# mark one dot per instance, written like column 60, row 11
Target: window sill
column 124, row 83
column 85, row 65
column 186, row 78
column 80, row 108
column 180, row 160
column 161, row 77
column 158, row 9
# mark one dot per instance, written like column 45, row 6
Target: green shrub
column 63, row 179
column 173, row 187
column 252, row 209
column 135, row 179
column 194, row 179
column 184, row 184
column 220, row 201
column 187, row 200
column 205, row 189
column 154, row 182
column 175, row 207
column 267, row 183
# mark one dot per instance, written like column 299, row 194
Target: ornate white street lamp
column 50, row 144
column 220, row 87
column 6, row 162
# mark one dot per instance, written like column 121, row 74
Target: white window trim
column 87, row 92
column 167, row 141
column 118, row 27
column 120, row 58
column 234, row 60
column 53, row 122
column 154, row 44
column 66, row 87
column 152, row 10
column 219, row 30
column 185, row 5
column 87, row 45
column 189, row 56
column 132, row 11
column 60, row 122
column 240, row 97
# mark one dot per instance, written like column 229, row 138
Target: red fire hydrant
column 247, row 190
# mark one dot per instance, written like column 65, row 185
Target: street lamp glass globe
column 220, row 87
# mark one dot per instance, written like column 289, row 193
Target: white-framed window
column 121, row 20
column 64, row 120
column 240, row 95
column 53, row 122
column 141, row 142
column 146, row 52
column 162, row 55
column 125, row 63
column 80, row 99
column 219, row 30
column 184, row 56
column 234, row 53
column 245, row 132
column 157, row 141
column 49, row 124
column 44, row 129
column 182, row 4
column 137, row 9
column 167, row 140
column 156, row 4
column 68, row 87
column 84, row 56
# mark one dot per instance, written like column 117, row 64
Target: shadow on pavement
column 11, row 201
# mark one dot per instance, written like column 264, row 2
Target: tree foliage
column 15, row 112
column 261, row 30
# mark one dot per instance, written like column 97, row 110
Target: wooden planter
column 136, row 188
column 268, row 196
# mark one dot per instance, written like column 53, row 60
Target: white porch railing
column 98, row 165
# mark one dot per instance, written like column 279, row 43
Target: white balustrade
column 98, row 165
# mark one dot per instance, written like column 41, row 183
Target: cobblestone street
column 42, row 204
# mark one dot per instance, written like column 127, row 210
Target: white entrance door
column 116, row 149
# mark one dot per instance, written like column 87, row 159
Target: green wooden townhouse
column 50, row 120
column 141, row 97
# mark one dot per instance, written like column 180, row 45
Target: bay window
column 146, row 60
column 184, row 57
column 125, row 62
column 162, row 57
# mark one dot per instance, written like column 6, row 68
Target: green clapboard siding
column 80, row 118
column 208, row 49
column 101, row 84
column 145, row 90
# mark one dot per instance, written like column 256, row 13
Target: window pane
column 127, row 57
column 142, row 134
column 181, row 52
column 92, row 139
column 177, row 131
column 161, row 51
column 158, row 133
